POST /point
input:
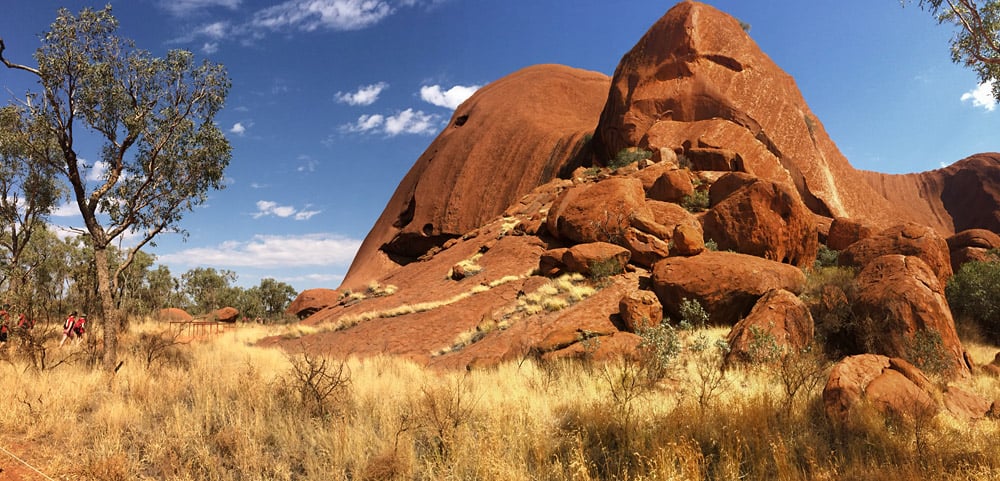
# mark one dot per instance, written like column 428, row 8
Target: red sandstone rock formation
column 512, row 135
column 725, row 283
column 697, row 83
column 764, row 219
column 311, row 301
column 905, row 299
column 173, row 314
column 907, row 239
column 778, row 314
column 894, row 387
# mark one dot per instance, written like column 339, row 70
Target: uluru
column 533, row 171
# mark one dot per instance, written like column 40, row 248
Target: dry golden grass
column 224, row 409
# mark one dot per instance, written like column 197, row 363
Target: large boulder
column 726, row 284
column 907, row 239
column 640, row 309
column 779, row 318
column 908, row 313
column 173, row 314
column 599, row 212
column 972, row 245
column 512, row 135
column 764, row 219
column 696, row 82
column 892, row 387
column 844, row 232
column 225, row 314
column 596, row 258
column 311, row 301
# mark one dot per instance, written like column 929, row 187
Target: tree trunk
column 110, row 314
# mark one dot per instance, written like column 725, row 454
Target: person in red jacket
column 68, row 328
column 78, row 326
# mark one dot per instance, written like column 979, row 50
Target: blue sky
column 333, row 100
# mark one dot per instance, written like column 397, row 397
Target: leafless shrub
column 320, row 384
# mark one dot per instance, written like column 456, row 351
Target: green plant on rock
column 926, row 351
column 629, row 155
column 659, row 347
column 826, row 257
column 697, row 201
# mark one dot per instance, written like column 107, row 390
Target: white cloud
column 96, row 172
column 410, row 122
column 308, row 164
column 209, row 48
column 238, row 129
column 365, row 123
column 982, row 96
column 185, row 7
column 322, row 249
column 69, row 209
column 270, row 208
column 310, row 15
column 450, row 98
column 365, row 95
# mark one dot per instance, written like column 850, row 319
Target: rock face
column 726, row 284
column 844, row 232
column 780, row 316
column 599, row 212
column 907, row 239
column 893, row 387
column 905, row 301
column 512, row 135
column 964, row 195
column 764, row 219
column 697, row 83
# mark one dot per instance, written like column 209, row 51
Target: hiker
column 68, row 328
column 3, row 333
column 78, row 326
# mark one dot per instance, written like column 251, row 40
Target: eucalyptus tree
column 29, row 192
column 976, row 43
column 154, row 116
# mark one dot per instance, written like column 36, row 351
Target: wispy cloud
column 451, row 98
column 408, row 121
column 310, row 15
column 982, row 96
column 365, row 95
column 267, row 208
column 186, row 7
column 308, row 164
column 323, row 249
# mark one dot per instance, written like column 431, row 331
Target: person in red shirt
column 78, row 326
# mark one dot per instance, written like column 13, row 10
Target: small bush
column 696, row 202
column 628, row 156
column 600, row 271
column 320, row 383
column 659, row 347
column 826, row 257
column 926, row 351
column 711, row 245
column 693, row 315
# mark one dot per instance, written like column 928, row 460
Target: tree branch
column 10, row 64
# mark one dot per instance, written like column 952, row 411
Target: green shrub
column 659, row 347
column 629, row 155
column 826, row 257
column 693, row 315
column 696, row 202
column 926, row 351
column 974, row 294
column 601, row 270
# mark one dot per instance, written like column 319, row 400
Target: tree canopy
column 161, row 150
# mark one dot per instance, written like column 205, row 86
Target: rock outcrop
column 909, row 239
column 696, row 83
column 311, row 301
column 512, row 135
column 725, row 283
column 779, row 321
column 892, row 387
column 905, row 302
